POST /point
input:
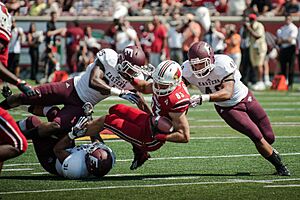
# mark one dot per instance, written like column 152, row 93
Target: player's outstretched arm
column 142, row 86
column 21, row 84
column 60, row 148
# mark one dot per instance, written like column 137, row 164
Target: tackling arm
column 60, row 148
column 142, row 86
column 96, row 80
column 226, row 91
column 182, row 129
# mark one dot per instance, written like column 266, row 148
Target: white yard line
column 282, row 186
column 229, row 181
column 17, row 169
column 176, row 158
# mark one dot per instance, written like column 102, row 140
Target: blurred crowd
column 247, row 43
column 149, row 7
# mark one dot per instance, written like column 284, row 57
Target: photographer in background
column 35, row 38
column 125, row 35
column 14, row 48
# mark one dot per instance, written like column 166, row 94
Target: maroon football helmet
column 201, row 57
column 99, row 160
column 132, row 62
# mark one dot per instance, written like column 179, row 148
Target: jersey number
column 179, row 95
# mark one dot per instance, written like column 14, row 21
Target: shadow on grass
column 123, row 178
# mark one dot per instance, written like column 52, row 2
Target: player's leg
column 260, row 118
column 50, row 94
column 131, row 114
column 130, row 132
column 12, row 141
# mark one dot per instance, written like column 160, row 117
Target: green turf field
column 218, row 163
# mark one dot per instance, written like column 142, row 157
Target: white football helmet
column 5, row 23
column 166, row 77
column 74, row 166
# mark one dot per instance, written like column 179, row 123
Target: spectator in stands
column 261, row 7
column 146, row 39
column 73, row 36
column 52, row 6
column 272, row 53
column 221, row 7
column 290, row 7
column 35, row 38
column 175, row 39
column 191, row 31
column 125, row 35
column 258, row 48
column 37, row 8
column 13, row 7
column 247, row 71
column 248, row 10
column 236, row 7
column 14, row 48
column 91, row 42
column 215, row 38
column 298, row 42
column 286, row 39
column 159, row 45
column 233, row 43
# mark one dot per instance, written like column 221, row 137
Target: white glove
column 129, row 96
column 88, row 110
column 195, row 100
column 79, row 129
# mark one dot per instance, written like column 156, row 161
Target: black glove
column 6, row 91
column 27, row 89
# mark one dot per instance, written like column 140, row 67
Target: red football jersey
column 177, row 101
column 4, row 54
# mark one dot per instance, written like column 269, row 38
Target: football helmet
column 100, row 159
column 201, row 57
column 5, row 23
column 132, row 62
column 74, row 166
column 166, row 77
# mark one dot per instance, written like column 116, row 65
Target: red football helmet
column 201, row 57
column 100, row 159
column 132, row 62
column 5, row 24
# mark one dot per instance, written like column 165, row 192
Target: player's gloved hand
column 88, row 110
column 195, row 100
column 27, row 89
column 79, row 129
column 6, row 91
column 129, row 96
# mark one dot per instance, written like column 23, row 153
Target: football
column 162, row 124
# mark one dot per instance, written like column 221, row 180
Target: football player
column 170, row 99
column 218, row 79
column 100, row 81
column 60, row 156
column 12, row 141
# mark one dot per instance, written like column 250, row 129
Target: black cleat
column 282, row 171
column 139, row 159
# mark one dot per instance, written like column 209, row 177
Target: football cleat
column 282, row 171
column 139, row 159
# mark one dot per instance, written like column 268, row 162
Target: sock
column 267, row 78
column 4, row 105
column 275, row 159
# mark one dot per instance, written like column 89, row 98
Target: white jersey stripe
column 12, row 133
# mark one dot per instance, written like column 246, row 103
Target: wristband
column 71, row 136
column 115, row 91
column 19, row 81
column 205, row 97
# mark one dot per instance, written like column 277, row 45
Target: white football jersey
column 211, row 83
column 109, row 59
column 74, row 166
